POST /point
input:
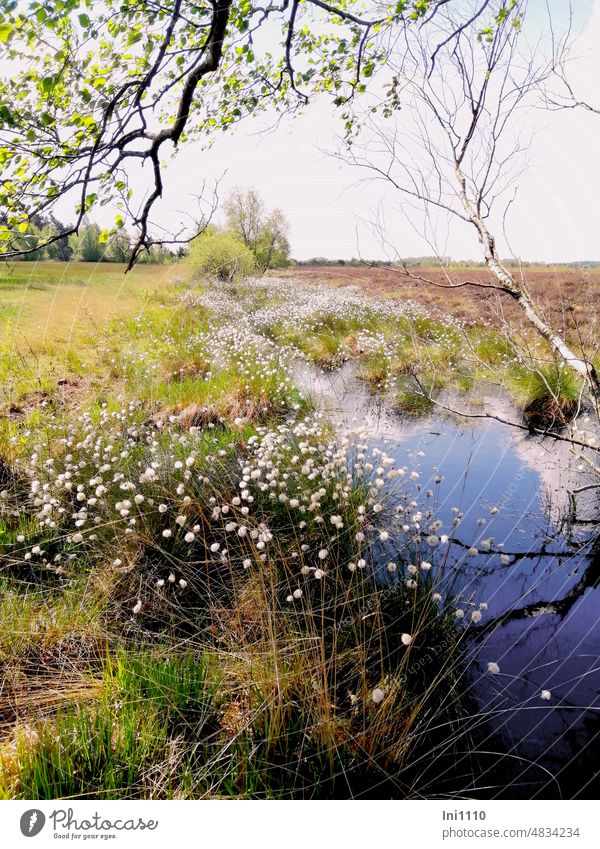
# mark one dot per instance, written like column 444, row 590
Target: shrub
column 222, row 255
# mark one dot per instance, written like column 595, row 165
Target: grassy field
column 56, row 319
column 189, row 605
column 49, row 303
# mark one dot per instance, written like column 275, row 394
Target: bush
column 222, row 255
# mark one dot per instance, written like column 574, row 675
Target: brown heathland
column 569, row 297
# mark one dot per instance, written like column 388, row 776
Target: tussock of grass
column 287, row 713
column 549, row 396
column 299, row 653
column 326, row 350
column 492, row 348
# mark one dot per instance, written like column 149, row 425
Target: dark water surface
column 543, row 605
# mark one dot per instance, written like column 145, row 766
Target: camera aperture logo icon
column 32, row 822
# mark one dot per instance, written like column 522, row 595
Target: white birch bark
column 511, row 285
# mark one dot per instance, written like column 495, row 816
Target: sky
column 555, row 216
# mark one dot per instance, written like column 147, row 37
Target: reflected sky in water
column 541, row 621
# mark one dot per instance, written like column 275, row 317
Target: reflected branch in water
column 561, row 607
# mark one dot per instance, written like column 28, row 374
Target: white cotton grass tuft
column 377, row 696
column 137, row 607
column 148, row 476
column 546, row 695
column 493, row 668
column 406, row 639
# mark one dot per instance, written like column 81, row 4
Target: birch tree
column 456, row 137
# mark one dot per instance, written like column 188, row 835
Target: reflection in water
column 538, row 576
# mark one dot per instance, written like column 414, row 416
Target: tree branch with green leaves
column 93, row 96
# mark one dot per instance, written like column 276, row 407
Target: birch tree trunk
column 512, row 287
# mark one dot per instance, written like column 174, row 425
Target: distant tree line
column 90, row 244
column 251, row 236
column 352, row 263
column 429, row 261
column 264, row 235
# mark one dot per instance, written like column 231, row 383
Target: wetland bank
column 256, row 557
column 265, row 535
